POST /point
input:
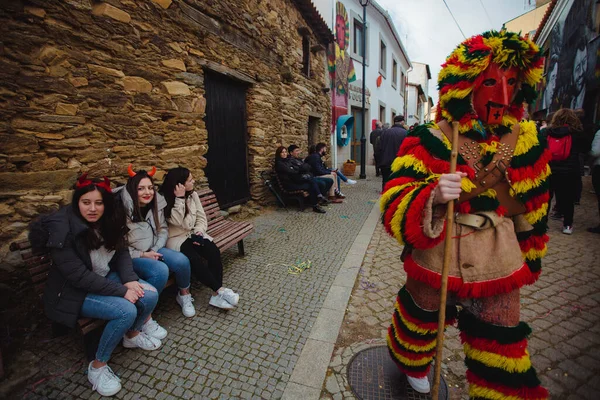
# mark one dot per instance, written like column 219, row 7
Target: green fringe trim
column 458, row 107
column 528, row 158
column 421, row 368
column 408, row 172
column 536, row 191
column 534, row 265
column 412, row 334
column 473, row 326
column 403, row 220
column 484, row 203
column 497, row 375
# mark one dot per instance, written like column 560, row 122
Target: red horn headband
column 83, row 182
column 132, row 173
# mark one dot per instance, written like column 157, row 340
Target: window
column 402, row 81
column 393, row 115
column 382, row 58
column 306, row 55
column 382, row 114
column 359, row 30
column 394, row 73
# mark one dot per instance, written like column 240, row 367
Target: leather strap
column 479, row 221
column 492, row 175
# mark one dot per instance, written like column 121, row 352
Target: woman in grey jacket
column 147, row 237
column 188, row 234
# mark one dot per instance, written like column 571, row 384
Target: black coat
column 290, row 170
column 571, row 165
column 71, row 276
column 317, row 167
column 389, row 144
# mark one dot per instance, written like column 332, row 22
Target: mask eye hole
column 511, row 81
column 489, row 82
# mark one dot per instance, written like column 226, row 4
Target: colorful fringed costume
column 488, row 286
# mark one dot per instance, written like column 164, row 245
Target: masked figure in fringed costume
column 501, row 185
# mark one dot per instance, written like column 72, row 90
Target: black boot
column 318, row 209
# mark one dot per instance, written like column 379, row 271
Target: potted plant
column 349, row 167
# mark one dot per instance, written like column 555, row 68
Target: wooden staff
column 445, row 268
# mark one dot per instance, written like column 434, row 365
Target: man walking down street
column 373, row 139
column 390, row 142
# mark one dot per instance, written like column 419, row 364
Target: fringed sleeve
column 529, row 175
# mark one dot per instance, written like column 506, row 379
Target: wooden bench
column 271, row 180
column 225, row 233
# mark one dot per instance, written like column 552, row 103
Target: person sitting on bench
column 147, row 237
column 187, row 233
column 92, row 276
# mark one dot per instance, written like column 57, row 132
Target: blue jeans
column 121, row 314
column 156, row 272
column 342, row 177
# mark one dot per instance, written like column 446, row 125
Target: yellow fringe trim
column 509, row 364
column 491, row 394
column 409, row 160
column 410, row 325
column 528, row 184
column 536, row 215
column 407, row 361
column 412, row 346
column 385, row 197
column 534, row 254
column 395, row 223
column 527, row 138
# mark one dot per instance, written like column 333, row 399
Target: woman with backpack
column 188, row 234
column 92, row 276
column 147, row 238
column 565, row 142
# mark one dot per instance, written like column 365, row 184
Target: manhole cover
column 373, row 376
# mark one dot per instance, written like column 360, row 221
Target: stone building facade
column 93, row 86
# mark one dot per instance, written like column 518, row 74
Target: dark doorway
column 356, row 134
column 227, row 169
column 313, row 130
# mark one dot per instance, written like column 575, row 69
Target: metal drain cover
column 373, row 376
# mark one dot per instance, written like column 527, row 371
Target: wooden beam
column 222, row 69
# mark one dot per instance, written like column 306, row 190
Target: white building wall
column 411, row 105
column 417, row 108
column 327, row 10
column 387, row 95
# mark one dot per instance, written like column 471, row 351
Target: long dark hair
column 132, row 189
column 111, row 225
column 278, row 153
column 175, row 176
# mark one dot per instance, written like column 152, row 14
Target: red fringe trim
column 403, row 336
column 389, row 213
column 513, row 350
column 536, row 393
column 411, row 355
column 424, row 325
column 534, row 242
column 530, row 171
column 538, row 201
column 413, row 232
column 398, row 182
column 522, row 276
column 407, row 369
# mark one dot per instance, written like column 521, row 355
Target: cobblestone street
column 249, row 352
column 562, row 308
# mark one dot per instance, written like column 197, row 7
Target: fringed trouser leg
column 412, row 335
column 495, row 344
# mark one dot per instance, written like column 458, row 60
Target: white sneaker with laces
column 152, row 328
column 103, row 380
column 230, row 296
column 351, row 182
column 143, row 341
column 568, row 230
column 420, row 385
column 185, row 302
column 220, row 302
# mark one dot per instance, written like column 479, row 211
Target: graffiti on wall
column 341, row 67
column 571, row 60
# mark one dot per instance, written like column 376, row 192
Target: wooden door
column 356, row 134
column 227, row 169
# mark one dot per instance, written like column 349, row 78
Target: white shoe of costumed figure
column 420, row 385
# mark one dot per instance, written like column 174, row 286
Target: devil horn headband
column 132, row 173
column 83, row 182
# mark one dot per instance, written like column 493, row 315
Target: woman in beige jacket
column 187, row 234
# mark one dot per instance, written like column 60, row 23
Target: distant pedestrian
column 375, row 134
column 389, row 143
column 595, row 154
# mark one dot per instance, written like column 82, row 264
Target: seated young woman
column 291, row 177
column 187, row 233
column 92, row 276
column 147, row 237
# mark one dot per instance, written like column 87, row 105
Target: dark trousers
column 377, row 167
column 596, row 183
column 210, row 273
column 324, row 184
column 310, row 186
column 385, row 175
column 564, row 187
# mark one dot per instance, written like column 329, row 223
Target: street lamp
column 363, row 139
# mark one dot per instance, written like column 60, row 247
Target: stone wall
column 94, row 86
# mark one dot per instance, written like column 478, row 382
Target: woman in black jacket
column 565, row 172
column 293, row 178
column 92, row 276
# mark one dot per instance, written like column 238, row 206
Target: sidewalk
column 249, row 352
column 562, row 308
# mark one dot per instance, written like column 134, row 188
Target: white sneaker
column 220, row 302
column 152, row 328
column 568, row 230
column 103, row 380
column 351, row 182
column 230, row 296
column 420, row 385
column 143, row 341
column 185, row 302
